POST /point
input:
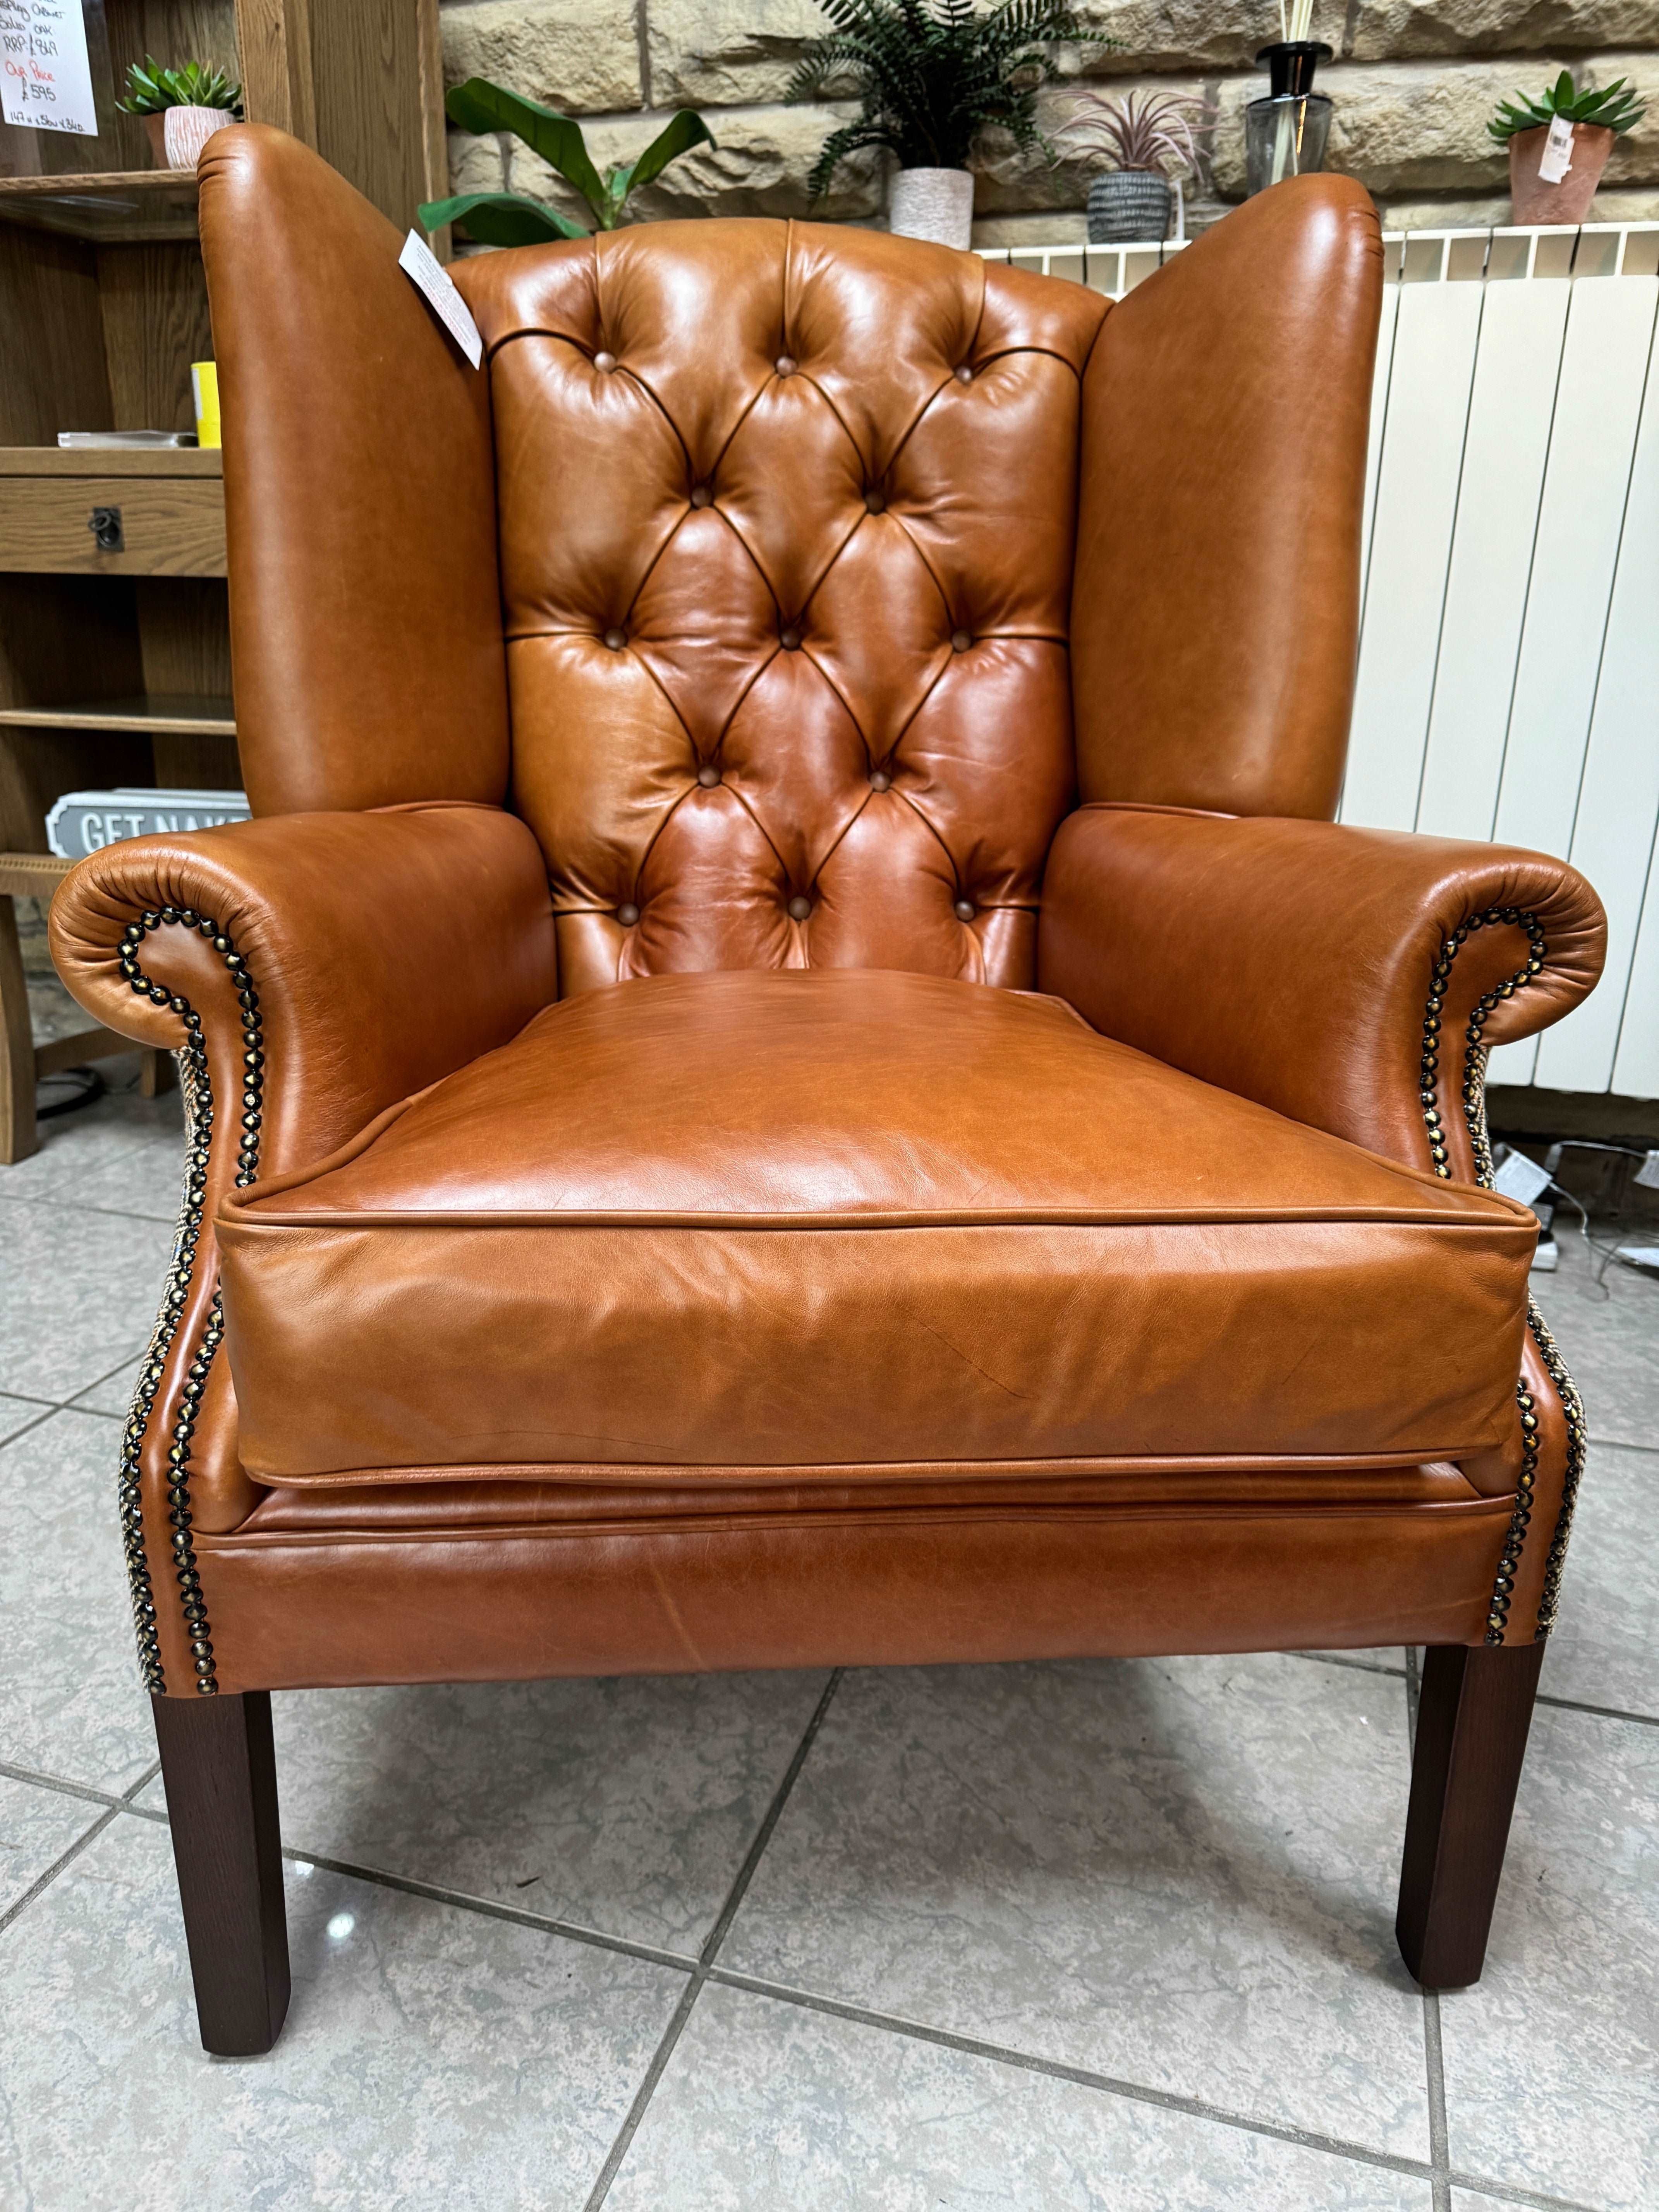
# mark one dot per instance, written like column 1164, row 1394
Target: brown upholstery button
column 615, row 639
column 701, row 496
column 628, row 916
column 964, row 374
column 607, row 361
column 799, row 908
column 964, row 909
column 960, row 640
column 789, row 640
column 784, row 364
column 875, row 501
column 708, row 775
column 879, row 779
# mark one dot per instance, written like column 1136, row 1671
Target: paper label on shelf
column 429, row 277
column 46, row 79
column 1557, row 157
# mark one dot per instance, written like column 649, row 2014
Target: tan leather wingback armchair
column 793, row 1069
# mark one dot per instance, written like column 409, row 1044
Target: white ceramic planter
column 178, row 134
column 936, row 203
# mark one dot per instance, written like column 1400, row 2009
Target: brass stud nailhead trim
column 1474, row 1115
column 198, row 1138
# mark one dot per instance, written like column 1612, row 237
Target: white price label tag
column 46, row 80
column 1520, row 1177
column 1557, row 157
column 430, row 278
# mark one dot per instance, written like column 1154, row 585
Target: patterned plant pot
column 936, row 203
column 1129, row 205
column 1532, row 200
column 178, row 134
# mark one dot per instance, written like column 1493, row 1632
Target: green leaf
column 501, row 218
column 480, row 106
column 1563, row 93
column 152, row 89
column 682, row 132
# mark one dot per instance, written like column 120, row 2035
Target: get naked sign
column 45, row 81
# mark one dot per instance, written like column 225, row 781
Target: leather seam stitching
column 920, row 1516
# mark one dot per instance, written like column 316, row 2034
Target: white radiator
column 1509, row 651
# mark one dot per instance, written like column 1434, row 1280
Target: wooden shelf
column 103, row 308
column 111, row 461
column 136, row 206
column 163, row 714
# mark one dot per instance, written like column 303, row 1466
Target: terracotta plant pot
column 1531, row 200
column 178, row 134
column 935, row 203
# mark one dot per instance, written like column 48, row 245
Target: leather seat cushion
column 738, row 1224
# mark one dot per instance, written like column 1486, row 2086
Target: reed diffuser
column 1285, row 134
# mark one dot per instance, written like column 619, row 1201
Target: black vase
column 1290, row 65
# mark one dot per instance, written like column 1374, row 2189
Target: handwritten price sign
column 45, row 81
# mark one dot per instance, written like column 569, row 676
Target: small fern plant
column 1615, row 108
column 513, row 218
column 931, row 75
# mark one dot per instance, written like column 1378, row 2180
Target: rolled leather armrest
column 1348, row 978
column 310, row 969
column 385, row 950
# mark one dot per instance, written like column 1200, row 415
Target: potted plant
column 1556, row 183
column 181, row 107
column 929, row 76
column 514, row 219
column 1142, row 136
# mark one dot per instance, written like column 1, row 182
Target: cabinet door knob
column 104, row 524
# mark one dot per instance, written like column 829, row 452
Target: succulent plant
column 1615, row 108
column 152, row 89
column 513, row 218
column 931, row 75
column 1144, row 131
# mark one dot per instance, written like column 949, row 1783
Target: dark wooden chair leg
column 220, row 1767
column 1473, row 1716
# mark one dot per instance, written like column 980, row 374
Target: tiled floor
column 1070, row 1936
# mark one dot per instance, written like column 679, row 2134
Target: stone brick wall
column 1412, row 83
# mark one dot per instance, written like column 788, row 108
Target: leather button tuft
column 708, row 775
column 628, row 916
column 789, row 639
column 875, row 501
column 964, row 909
column 964, row 374
column 879, row 779
column 615, row 639
column 960, row 640
column 604, row 362
column 799, row 908
column 701, row 496
column 784, row 364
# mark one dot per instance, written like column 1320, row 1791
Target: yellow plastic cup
column 205, row 390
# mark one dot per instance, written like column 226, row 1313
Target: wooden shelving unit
column 115, row 649
column 131, row 207
column 163, row 715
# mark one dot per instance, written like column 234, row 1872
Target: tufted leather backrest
column 787, row 519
